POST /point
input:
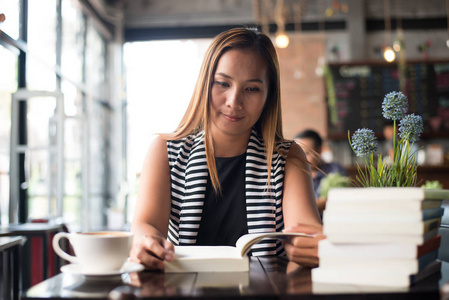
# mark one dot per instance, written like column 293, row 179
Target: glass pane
column 160, row 78
column 95, row 62
column 72, row 41
column 73, row 154
column 99, row 134
column 73, row 171
column 99, row 127
column 42, row 45
column 40, row 164
column 99, row 139
column 42, row 30
column 8, row 85
column 40, row 111
column 41, row 199
column 72, row 99
column 10, row 8
column 72, row 212
column 39, row 76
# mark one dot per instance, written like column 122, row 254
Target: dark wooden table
column 268, row 279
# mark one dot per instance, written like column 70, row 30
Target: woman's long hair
column 197, row 115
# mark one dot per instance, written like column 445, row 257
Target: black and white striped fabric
column 189, row 173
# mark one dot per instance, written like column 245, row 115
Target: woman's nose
column 234, row 99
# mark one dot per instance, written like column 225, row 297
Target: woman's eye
column 252, row 89
column 221, row 83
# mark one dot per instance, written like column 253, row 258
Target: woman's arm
column 300, row 209
column 150, row 222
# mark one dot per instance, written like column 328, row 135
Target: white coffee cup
column 100, row 251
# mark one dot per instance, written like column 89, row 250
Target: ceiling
column 156, row 19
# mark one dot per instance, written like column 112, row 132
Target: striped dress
column 189, row 174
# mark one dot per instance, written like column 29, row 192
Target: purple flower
column 364, row 142
column 394, row 106
column 411, row 127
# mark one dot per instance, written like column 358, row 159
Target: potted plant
column 402, row 171
column 386, row 210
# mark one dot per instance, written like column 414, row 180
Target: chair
column 38, row 259
column 10, row 265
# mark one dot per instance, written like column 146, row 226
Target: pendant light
column 388, row 52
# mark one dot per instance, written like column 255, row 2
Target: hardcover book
column 221, row 258
column 361, row 238
column 387, row 194
column 386, row 227
column 381, row 215
column 327, row 249
column 374, row 276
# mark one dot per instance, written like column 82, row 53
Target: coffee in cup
column 100, row 251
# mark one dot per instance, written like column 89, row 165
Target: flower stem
column 394, row 139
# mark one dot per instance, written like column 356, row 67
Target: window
column 10, row 8
column 160, row 78
column 42, row 45
column 72, row 57
column 41, row 59
column 8, row 85
column 73, row 41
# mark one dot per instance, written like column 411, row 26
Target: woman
column 207, row 183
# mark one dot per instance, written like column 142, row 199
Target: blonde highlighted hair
column 197, row 116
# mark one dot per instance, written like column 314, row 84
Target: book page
column 245, row 242
column 206, row 252
column 207, row 259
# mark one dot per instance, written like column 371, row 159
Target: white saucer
column 127, row 268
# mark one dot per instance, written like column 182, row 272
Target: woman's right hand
column 152, row 213
column 151, row 251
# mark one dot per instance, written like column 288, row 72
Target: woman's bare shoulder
column 158, row 142
column 157, row 148
column 296, row 152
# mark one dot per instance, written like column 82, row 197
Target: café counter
column 269, row 278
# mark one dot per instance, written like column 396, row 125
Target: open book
column 221, row 258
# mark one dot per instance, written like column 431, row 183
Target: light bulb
column 282, row 40
column 447, row 43
column 389, row 54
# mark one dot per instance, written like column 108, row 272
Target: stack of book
column 380, row 236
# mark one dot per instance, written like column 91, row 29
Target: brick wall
column 302, row 90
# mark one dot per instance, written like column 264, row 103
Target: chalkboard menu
column 357, row 91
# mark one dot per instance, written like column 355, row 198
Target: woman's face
column 239, row 92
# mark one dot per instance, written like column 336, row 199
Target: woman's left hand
column 304, row 250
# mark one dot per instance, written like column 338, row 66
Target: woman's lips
column 232, row 118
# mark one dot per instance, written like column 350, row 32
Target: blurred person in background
column 312, row 144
